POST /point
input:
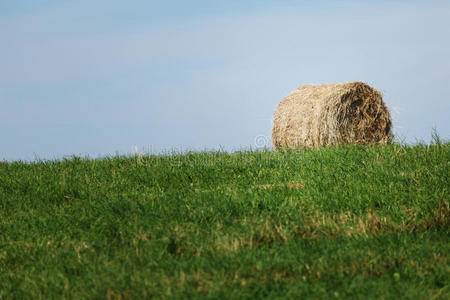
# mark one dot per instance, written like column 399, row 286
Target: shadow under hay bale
column 331, row 114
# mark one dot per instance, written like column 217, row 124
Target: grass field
column 353, row 221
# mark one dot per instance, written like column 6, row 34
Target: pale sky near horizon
column 99, row 78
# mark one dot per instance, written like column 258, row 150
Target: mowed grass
column 353, row 221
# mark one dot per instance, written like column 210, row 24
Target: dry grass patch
column 289, row 185
column 315, row 225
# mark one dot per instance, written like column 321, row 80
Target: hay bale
column 331, row 114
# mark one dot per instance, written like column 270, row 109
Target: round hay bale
column 331, row 114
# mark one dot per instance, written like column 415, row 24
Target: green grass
column 353, row 221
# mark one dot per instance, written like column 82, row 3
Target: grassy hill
column 338, row 222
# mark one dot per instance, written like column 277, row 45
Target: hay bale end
column 331, row 114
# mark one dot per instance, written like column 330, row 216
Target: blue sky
column 104, row 77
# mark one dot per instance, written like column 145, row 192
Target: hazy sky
column 102, row 77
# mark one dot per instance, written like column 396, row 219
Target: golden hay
column 331, row 114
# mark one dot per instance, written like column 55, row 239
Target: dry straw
column 331, row 114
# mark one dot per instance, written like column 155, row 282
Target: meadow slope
column 340, row 222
